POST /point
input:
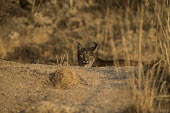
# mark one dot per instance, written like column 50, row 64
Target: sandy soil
column 26, row 88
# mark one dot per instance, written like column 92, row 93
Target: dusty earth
column 26, row 88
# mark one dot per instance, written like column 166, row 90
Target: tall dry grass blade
column 140, row 45
column 71, row 3
column 166, row 53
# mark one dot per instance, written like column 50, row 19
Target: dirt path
column 26, row 88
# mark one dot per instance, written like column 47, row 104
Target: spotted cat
column 87, row 57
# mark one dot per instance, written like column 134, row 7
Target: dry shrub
column 149, row 90
column 30, row 4
column 64, row 78
column 150, row 93
column 49, row 107
column 25, row 54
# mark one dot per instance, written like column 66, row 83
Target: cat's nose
column 85, row 61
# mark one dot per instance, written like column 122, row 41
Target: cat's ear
column 79, row 46
column 95, row 47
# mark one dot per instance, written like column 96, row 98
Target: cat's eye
column 81, row 56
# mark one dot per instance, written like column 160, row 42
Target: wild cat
column 87, row 57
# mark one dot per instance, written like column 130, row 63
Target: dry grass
column 63, row 60
column 145, row 91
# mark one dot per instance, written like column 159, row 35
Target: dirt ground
column 26, row 88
